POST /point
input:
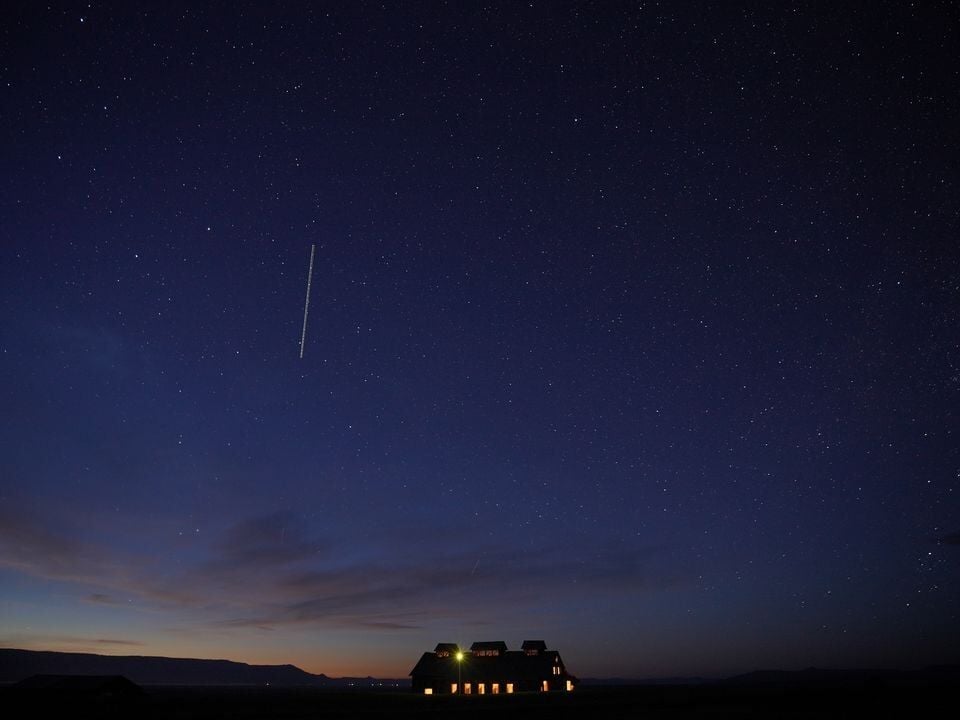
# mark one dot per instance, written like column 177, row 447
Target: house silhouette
column 490, row 668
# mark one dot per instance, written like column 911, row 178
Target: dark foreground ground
column 180, row 703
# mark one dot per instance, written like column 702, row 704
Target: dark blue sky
column 632, row 328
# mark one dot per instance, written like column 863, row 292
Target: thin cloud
column 102, row 599
column 264, row 573
column 74, row 642
column 265, row 541
column 951, row 539
column 389, row 625
column 29, row 545
column 406, row 597
column 112, row 641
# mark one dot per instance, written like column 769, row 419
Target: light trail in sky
column 306, row 304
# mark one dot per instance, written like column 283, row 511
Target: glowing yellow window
column 546, row 686
column 467, row 688
column 428, row 691
column 569, row 685
column 495, row 688
column 509, row 688
column 482, row 689
column 453, row 689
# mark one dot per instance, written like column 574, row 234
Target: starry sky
column 633, row 327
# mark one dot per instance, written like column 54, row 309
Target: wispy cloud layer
column 266, row 572
column 30, row 543
column 73, row 643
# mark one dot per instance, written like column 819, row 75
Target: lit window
column 546, row 686
column 428, row 691
column 569, row 685
column 453, row 689
column 482, row 689
column 467, row 689
column 509, row 688
column 495, row 688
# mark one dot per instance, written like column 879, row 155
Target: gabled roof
column 538, row 645
column 497, row 645
column 446, row 647
column 427, row 664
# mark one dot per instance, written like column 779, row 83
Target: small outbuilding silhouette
column 489, row 668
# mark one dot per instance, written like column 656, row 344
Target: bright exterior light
column 459, row 657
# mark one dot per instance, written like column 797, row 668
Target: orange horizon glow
column 315, row 665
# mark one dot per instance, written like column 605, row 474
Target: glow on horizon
column 330, row 663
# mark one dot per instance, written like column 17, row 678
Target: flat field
column 590, row 703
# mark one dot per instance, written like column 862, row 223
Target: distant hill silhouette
column 16, row 665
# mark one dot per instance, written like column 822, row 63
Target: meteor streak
column 306, row 304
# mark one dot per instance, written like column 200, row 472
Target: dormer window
column 488, row 649
column 534, row 647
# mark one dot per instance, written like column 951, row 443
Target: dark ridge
column 16, row 665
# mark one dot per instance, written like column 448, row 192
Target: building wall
column 441, row 684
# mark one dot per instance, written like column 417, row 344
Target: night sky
column 633, row 328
